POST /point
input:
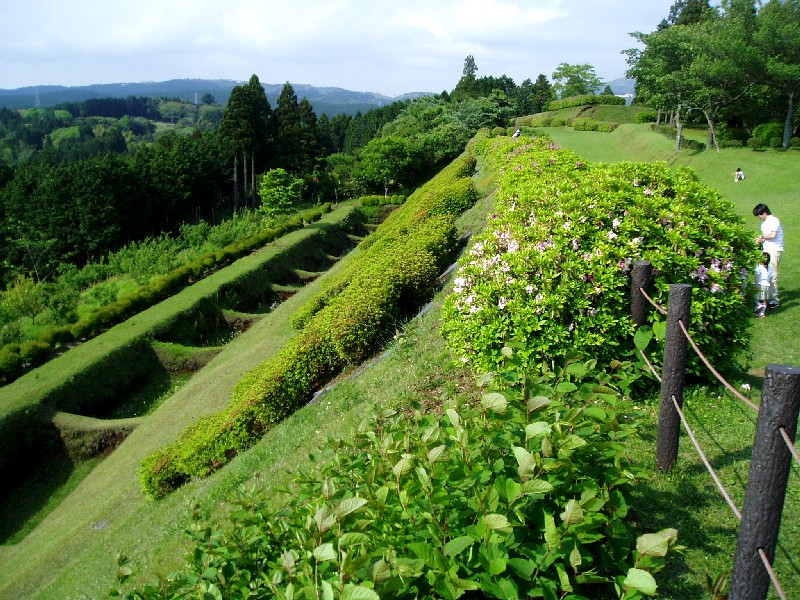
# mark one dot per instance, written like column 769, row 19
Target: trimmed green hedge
column 89, row 376
column 393, row 272
column 379, row 200
column 584, row 100
column 38, row 352
column 580, row 124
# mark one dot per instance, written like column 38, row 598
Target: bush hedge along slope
column 393, row 271
column 89, row 377
column 550, row 273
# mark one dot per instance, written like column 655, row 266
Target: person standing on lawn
column 771, row 240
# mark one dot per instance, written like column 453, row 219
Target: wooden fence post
column 640, row 280
column 673, row 375
column 766, row 482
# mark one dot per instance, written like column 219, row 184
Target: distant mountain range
column 328, row 100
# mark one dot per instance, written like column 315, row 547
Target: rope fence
column 773, row 445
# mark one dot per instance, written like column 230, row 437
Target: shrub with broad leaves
column 550, row 274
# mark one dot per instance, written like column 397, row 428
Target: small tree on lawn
column 279, row 190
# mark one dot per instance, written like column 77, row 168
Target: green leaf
column 536, row 486
column 512, row 490
column 534, row 430
column 325, row 552
column 525, row 460
column 563, row 578
column 575, row 558
column 642, row 337
column 358, row 592
column 454, row 418
column 494, row 402
column 379, row 571
column 656, row 544
column 550, row 531
column 660, row 330
column 349, row 506
column 573, row 513
column 403, row 466
column 572, row 442
column 523, row 568
column 497, row 566
column 496, row 522
column 577, row 369
column 324, row 518
column 457, row 545
column 437, row 454
column 642, row 581
column 566, row 387
column 538, row 402
column 353, row 538
column 327, row 591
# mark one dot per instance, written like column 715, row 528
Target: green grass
column 70, row 554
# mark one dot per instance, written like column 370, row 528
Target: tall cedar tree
column 246, row 131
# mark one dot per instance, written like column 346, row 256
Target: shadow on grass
column 656, row 508
column 22, row 503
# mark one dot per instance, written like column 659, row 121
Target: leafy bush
column 10, row 365
column 731, row 144
column 541, row 121
column 766, row 132
column 584, row 100
column 755, row 143
column 34, row 353
column 523, row 494
column 550, row 273
column 344, row 323
column 646, row 116
column 795, row 142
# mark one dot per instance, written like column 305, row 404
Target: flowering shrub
column 550, row 273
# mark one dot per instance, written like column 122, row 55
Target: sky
column 378, row 46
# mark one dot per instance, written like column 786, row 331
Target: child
column 738, row 174
column 763, row 277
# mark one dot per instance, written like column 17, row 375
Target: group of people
column 771, row 242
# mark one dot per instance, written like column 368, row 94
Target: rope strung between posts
column 658, row 307
column 721, row 379
column 790, row 445
column 649, row 364
column 772, row 575
column 705, row 460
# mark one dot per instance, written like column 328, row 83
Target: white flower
column 611, row 235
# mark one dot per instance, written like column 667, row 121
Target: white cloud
column 390, row 47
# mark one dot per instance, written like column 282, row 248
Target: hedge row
column 352, row 317
column 15, row 359
column 593, row 125
column 584, row 100
column 94, row 373
column 378, row 200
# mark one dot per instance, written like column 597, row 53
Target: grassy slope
column 72, row 549
column 724, row 426
column 65, row 557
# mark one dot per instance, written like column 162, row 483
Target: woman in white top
column 771, row 240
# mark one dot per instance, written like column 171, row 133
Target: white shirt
column 768, row 225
